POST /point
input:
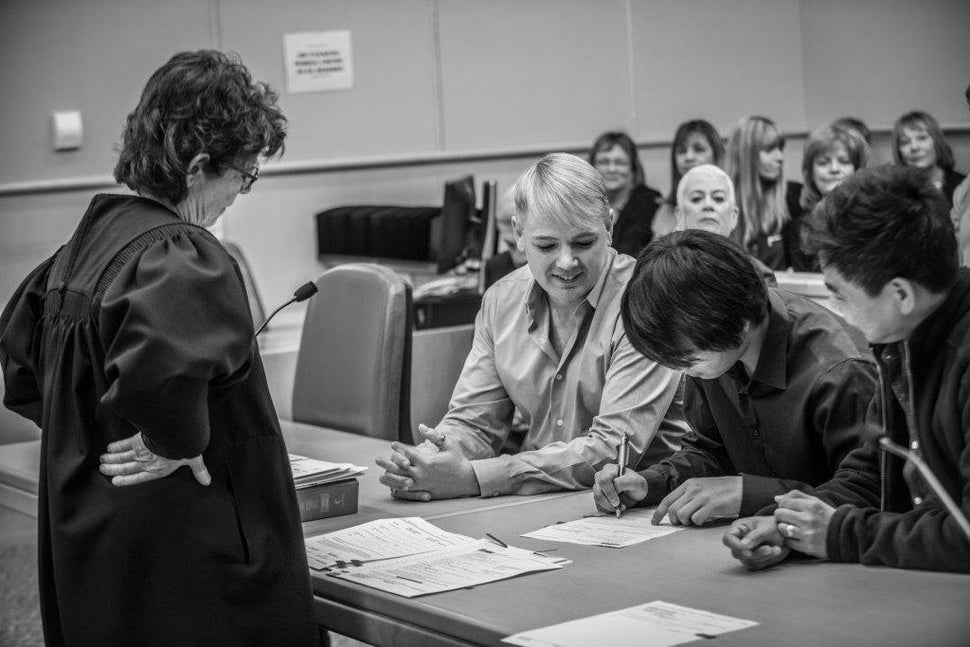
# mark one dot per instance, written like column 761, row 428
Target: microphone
column 924, row 469
column 302, row 293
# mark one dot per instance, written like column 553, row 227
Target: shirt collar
column 772, row 368
column 535, row 304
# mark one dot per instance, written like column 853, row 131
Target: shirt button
column 914, row 445
column 917, row 500
column 559, row 377
column 559, row 423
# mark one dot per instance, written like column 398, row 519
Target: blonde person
column 918, row 141
column 755, row 162
column 696, row 142
column 548, row 342
column 831, row 155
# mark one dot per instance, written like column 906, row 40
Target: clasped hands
column 435, row 469
column 800, row 522
column 695, row 502
column 129, row 462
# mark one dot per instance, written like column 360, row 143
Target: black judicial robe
column 140, row 322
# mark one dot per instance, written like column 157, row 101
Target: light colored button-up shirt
column 576, row 405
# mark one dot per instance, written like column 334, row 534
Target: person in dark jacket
column 132, row 348
column 774, row 390
column 633, row 203
column 889, row 256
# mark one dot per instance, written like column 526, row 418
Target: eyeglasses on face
column 248, row 178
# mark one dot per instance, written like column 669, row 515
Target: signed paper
column 448, row 569
column 380, row 539
column 657, row 624
column 606, row 530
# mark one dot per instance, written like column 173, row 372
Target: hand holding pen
column 616, row 488
column 622, row 453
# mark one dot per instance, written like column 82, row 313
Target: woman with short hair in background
column 696, row 142
column 633, row 203
column 831, row 155
column 755, row 162
column 918, row 141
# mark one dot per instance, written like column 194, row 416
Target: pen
column 621, row 456
column 496, row 540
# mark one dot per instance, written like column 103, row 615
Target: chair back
column 353, row 369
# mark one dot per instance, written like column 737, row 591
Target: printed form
column 606, row 530
column 448, row 569
column 658, row 624
column 380, row 539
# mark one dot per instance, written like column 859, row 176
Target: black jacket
column 632, row 229
column 886, row 513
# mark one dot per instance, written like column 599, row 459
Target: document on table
column 658, row 624
column 380, row 539
column 606, row 530
column 448, row 569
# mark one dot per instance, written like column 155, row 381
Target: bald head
column 706, row 200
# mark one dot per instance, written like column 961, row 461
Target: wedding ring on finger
column 788, row 530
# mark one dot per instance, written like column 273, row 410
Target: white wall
column 445, row 88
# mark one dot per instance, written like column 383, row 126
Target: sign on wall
column 318, row 61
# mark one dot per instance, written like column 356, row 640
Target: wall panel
column 93, row 56
column 391, row 108
column 540, row 72
column 880, row 58
column 718, row 61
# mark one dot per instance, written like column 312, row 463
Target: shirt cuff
column 494, row 475
column 757, row 492
column 656, row 488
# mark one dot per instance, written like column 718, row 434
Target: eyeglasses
column 247, row 178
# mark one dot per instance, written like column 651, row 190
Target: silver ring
column 789, row 530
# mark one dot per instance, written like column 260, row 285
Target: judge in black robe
column 136, row 336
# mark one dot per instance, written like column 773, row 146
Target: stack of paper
column 448, row 569
column 380, row 539
column 606, row 530
column 309, row 471
column 411, row 557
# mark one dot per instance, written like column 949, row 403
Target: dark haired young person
column 889, row 257
column 775, row 390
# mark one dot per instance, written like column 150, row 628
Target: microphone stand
column 924, row 469
column 302, row 293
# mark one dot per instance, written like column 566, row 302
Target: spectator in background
column 918, row 141
column 705, row 200
column 960, row 214
column 855, row 126
column 755, row 162
column 634, row 204
column 511, row 258
column 696, row 142
column 831, row 155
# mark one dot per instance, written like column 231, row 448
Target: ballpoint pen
column 621, row 456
